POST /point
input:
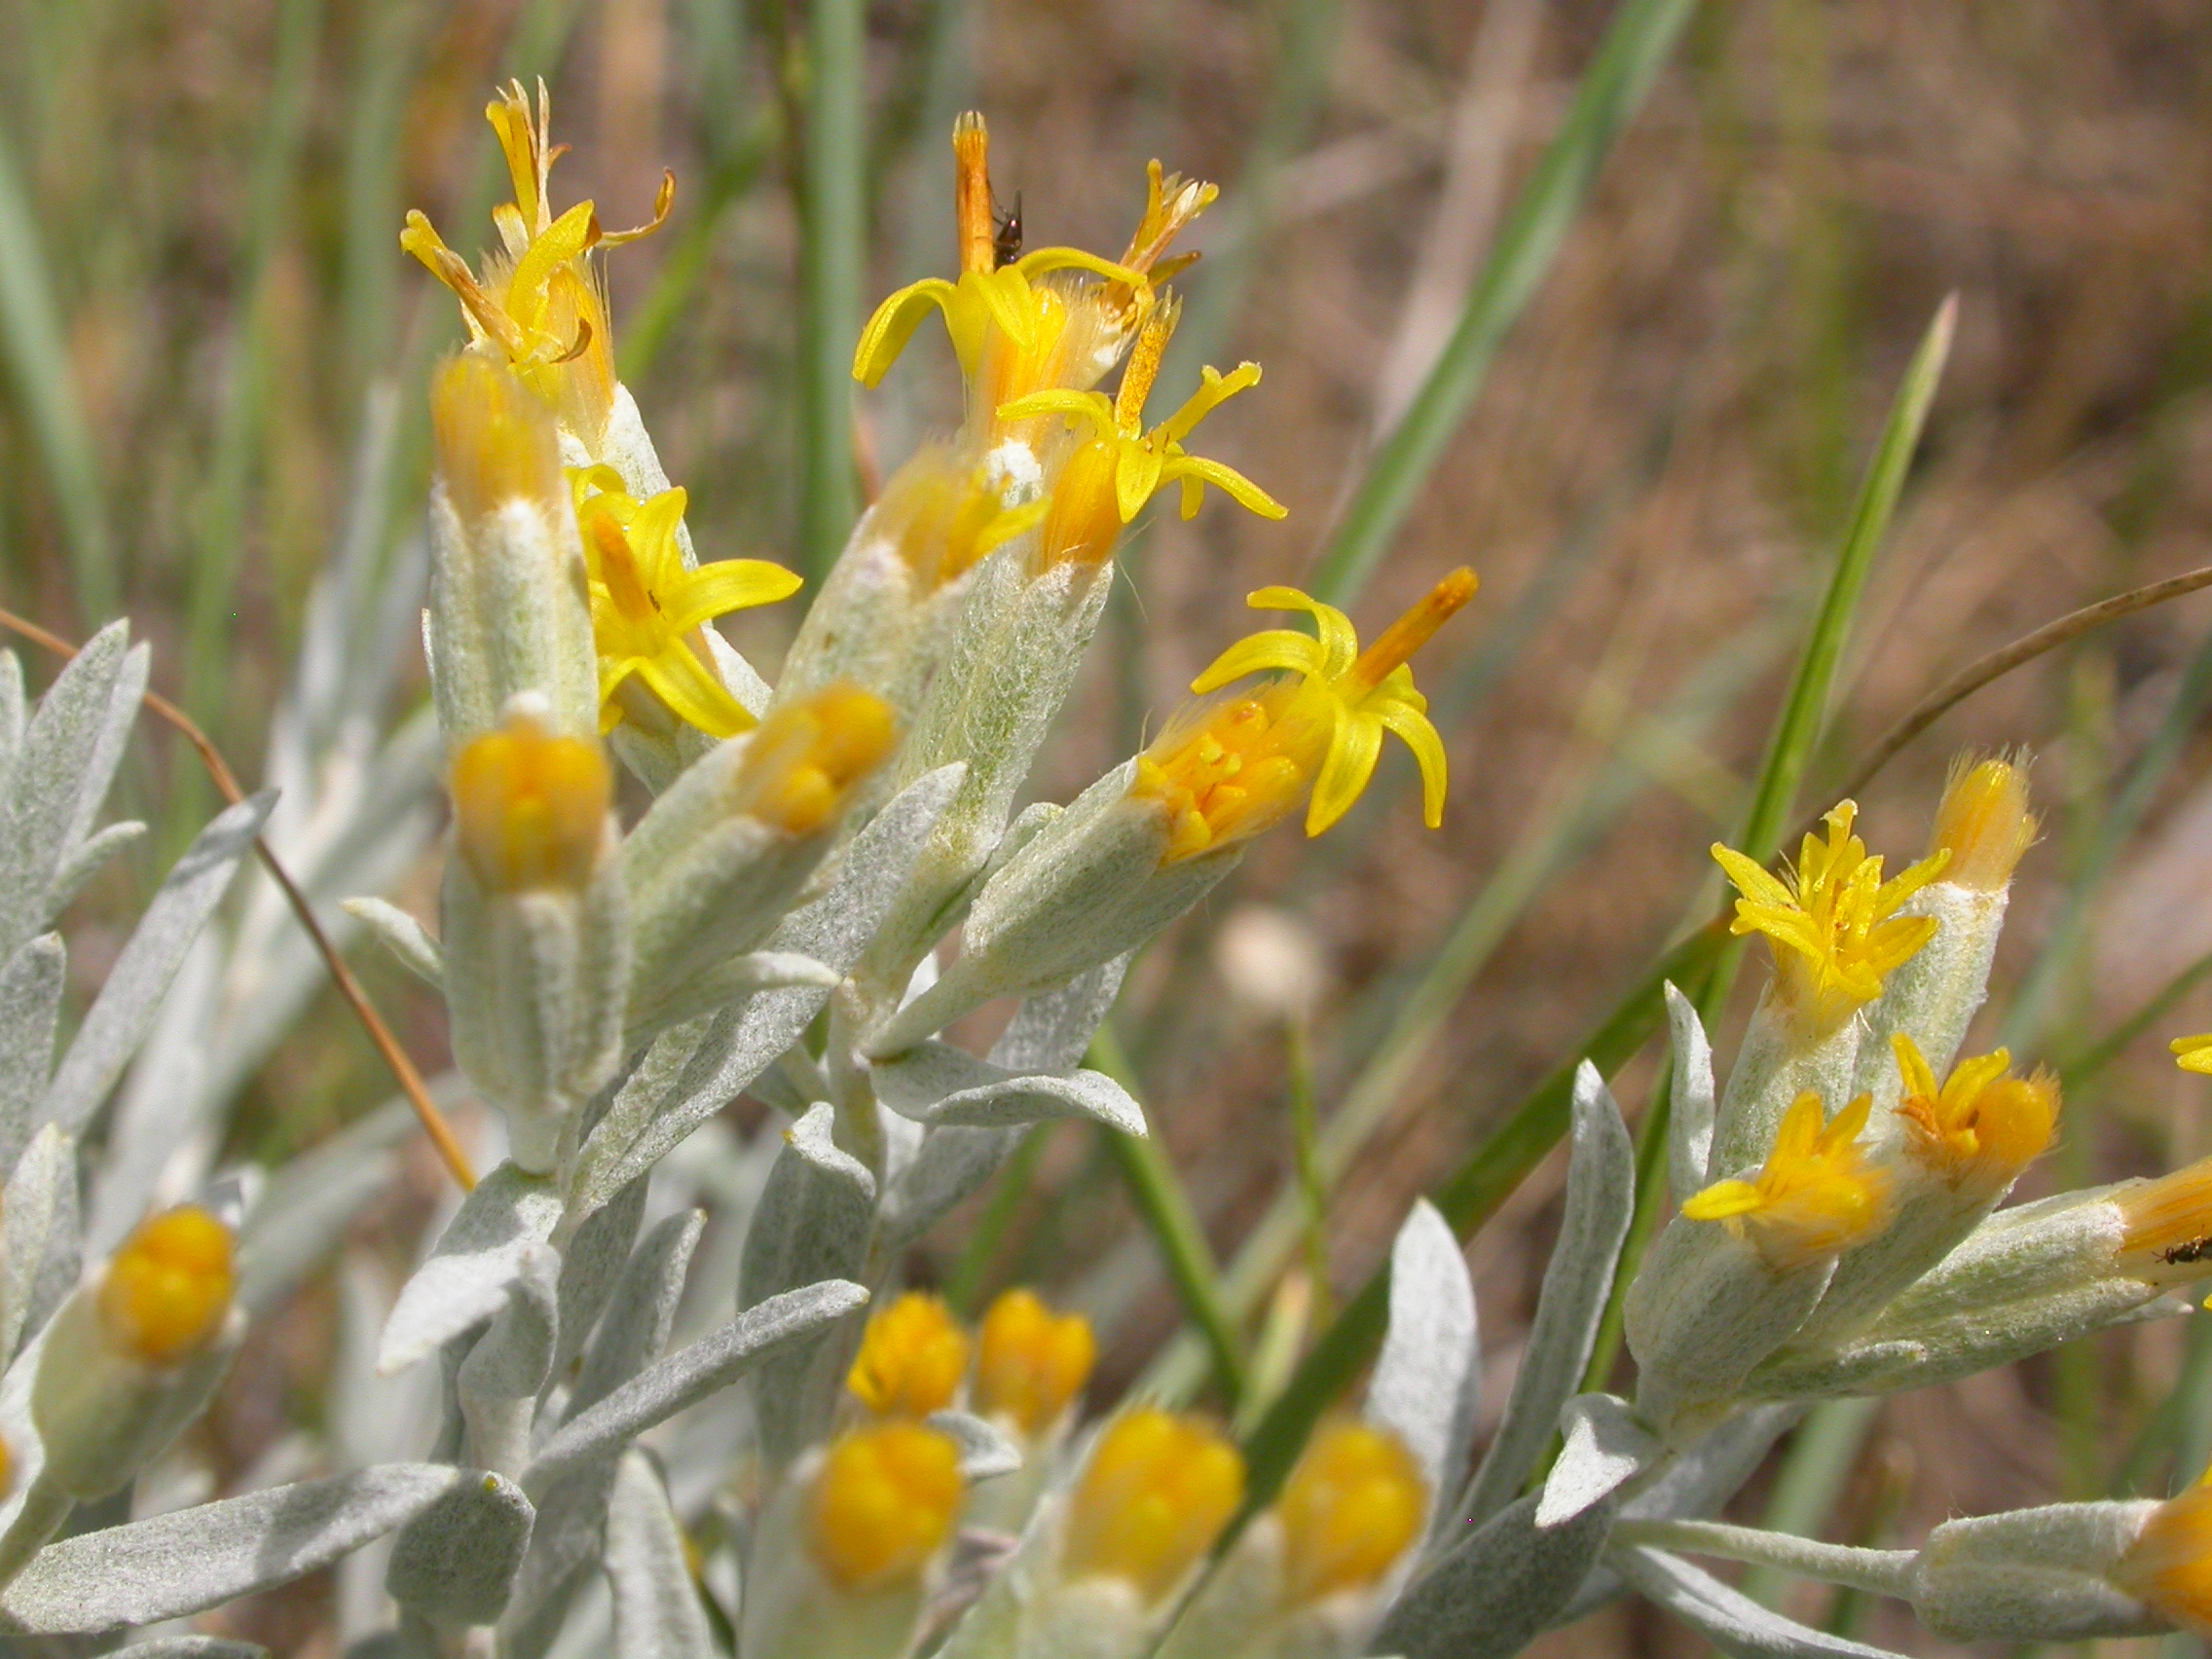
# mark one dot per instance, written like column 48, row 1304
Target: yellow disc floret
column 1983, row 1125
column 2169, row 1565
column 1229, row 769
column 884, row 1504
column 802, row 766
column 168, row 1290
column 1032, row 1362
column 540, row 304
column 1983, row 822
column 913, row 1357
column 1817, row 1194
column 1832, row 921
column 1154, row 1494
column 529, row 807
column 1350, row 1507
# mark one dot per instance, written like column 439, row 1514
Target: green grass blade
column 832, row 272
column 35, row 344
column 1628, row 59
column 370, row 267
column 1165, row 1209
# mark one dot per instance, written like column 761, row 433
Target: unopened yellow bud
column 1156, row 1493
column 945, row 511
column 1983, row 822
column 1983, row 1125
column 495, row 443
column 168, row 1289
column 2169, row 1565
column 1350, row 1507
column 529, row 807
column 884, row 1504
column 1033, row 1363
column 807, row 755
column 911, row 1359
column 2167, row 1223
column 1817, row 1194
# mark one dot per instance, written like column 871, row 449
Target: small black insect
column 1006, row 245
column 2195, row 1250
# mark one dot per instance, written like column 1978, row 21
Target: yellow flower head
column 1229, row 769
column 529, row 807
column 1350, row 1507
column 2166, row 1225
column 168, row 1290
column 1033, row 1363
column 648, row 611
column 884, row 1504
column 2169, row 1565
column 540, row 302
column 801, row 766
column 1154, row 1494
column 1817, row 1195
column 1107, row 479
column 494, row 443
column 1983, row 822
column 911, row 1359
column 2192, row 1053
column 1832, row 921
column 1015, row 326
column 1983, row 1126
column 945, row 511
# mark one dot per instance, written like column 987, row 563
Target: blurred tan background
column 1650, row 486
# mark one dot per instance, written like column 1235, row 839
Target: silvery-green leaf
column 174, row 1566
column 401, row 934
column 126, row 1004
column 1049, row 1033
column 191, row 1647
column 81, row 865
column 1430, row 1368
column 466, row 1279
column 60, row 1262
column 1606, row 1447
column 776, row 971
column 456, row 1561
column 690, row 1374
column 30, row 999
column 737, row 1044
column 643, row 1310
column 1601, row 1198
column 61, row 774
column 951, row 1165
column 155, row 1139
column 1731, row 1621
column 309, row 1202
column 31, row 1209
column 1490, row 1594
column 656, row 1607
column 591, row 1261
column 985, row 1449
column 1689, row 1119
column 498, row 1382
column 939, row 1084
column 812, row 1224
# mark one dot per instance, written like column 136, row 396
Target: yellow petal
column 1043, row 259
column 1228, row 480
column 1004, row 296
column 1353, row 748
column 725, row 585
column 1093, row 406
column 1214, row 389
column 652, row 541
column 1136, row 474
column 1420, row 736
column 1340, row 641
column 1722, row 1200
column 693, row 694
column 893, row 324
column 2192, row 1053
column 1753, row 880
column 1912, row 1067
column 1277, row 650
column 564, row 239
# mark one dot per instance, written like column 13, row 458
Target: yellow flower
column 1012, row 332
column 168, row 1290
column 1110, row 476
column 1032, row 1362
column 1983, row 822
column 1154, row 1494
column 529, row 807
column 1232, row 768
column 911, row 1359
column 540, row 302
column 945, row 511
column 804, row 760
column 884, row 1504
column 1982, row 1124
column 2192, row 1053
column 1832, row 922
column 647, row 609
column 2169, row 1565
column 1350, row 1507
column 1817, row 1194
